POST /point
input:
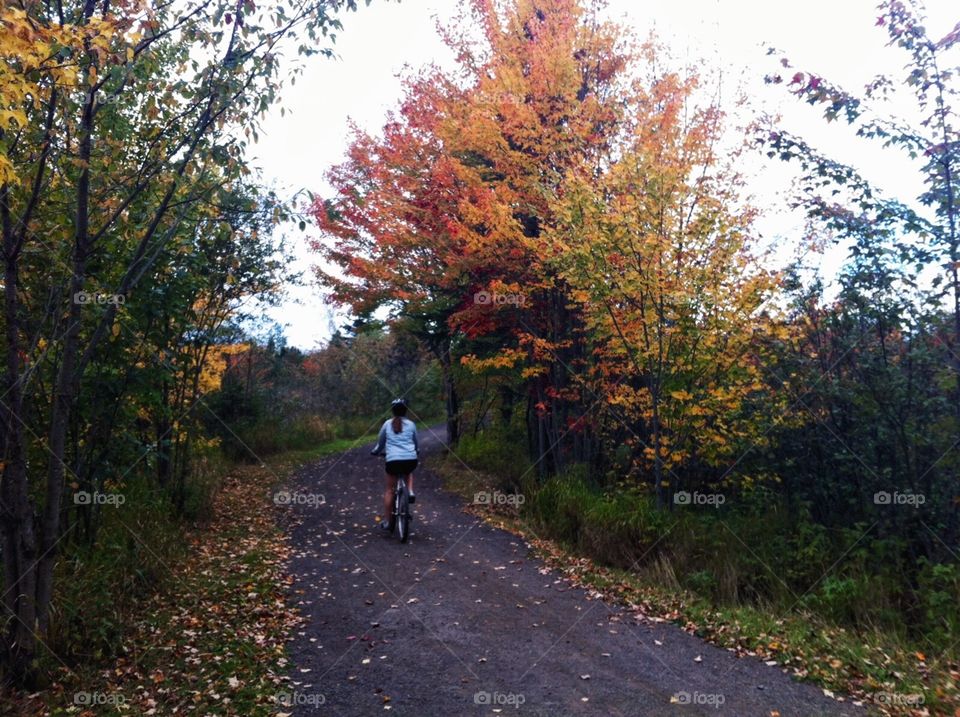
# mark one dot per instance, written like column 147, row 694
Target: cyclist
column 398, row 440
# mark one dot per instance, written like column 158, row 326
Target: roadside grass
column 297, row 458
column 210, row 638
column 875, row 668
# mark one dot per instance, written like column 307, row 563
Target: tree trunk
column 67, row 386
column 67, row 383
column 661, row 493
column 508, row 399
column 451, row 399
column 19, row 536
column 163, row 426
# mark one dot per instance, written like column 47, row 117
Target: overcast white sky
column 834, row 38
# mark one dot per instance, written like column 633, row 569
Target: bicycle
column 401, row 518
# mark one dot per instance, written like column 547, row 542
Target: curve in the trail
column 463, row 621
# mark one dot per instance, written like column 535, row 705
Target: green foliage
column 759, row 554
column 559, row 507
column 702, row 582
column 102, row 584
column 274, row 399
column 498, row 453
column 837, row 598
column 356, row 376
column 207, row 469
column 939, row 586
column 620, row 529
column 269, row 435
column 133, row 234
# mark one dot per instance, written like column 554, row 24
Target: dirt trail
column 462, row 621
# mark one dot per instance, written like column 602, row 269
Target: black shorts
column 401, row 468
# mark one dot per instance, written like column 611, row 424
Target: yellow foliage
column 32, row 63
column 507, row 358
column 215, row 365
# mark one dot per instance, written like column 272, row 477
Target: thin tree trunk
column 657, row 462
column 451, row 399
column 18, row 523
column 67, row 386
column 19, row 536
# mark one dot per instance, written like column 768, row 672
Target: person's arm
column 381, row 441
column 416, row 446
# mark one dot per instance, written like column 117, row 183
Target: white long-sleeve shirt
column 399, row 446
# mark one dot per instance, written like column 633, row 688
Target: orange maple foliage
column 559, row 201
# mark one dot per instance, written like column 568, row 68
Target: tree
column 131, row 116
column 391, row 221
column 659, row 253
column 869, row 217
column 460, row 184
column 874, row 371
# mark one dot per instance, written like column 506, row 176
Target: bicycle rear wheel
column 402, row 510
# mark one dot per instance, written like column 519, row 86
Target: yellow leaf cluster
column 34, row 57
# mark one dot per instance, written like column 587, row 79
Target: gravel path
column 463, row 621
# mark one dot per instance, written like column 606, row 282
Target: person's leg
column 409, row 481
column 388, row 497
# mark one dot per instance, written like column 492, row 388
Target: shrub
column 558, row 505
column 499, row 453
column 703, row 582
column 939, row 586
column 99, row 585
column 621, row 529
column 307, row 432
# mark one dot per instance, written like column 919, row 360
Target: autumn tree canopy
column 560, row 197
